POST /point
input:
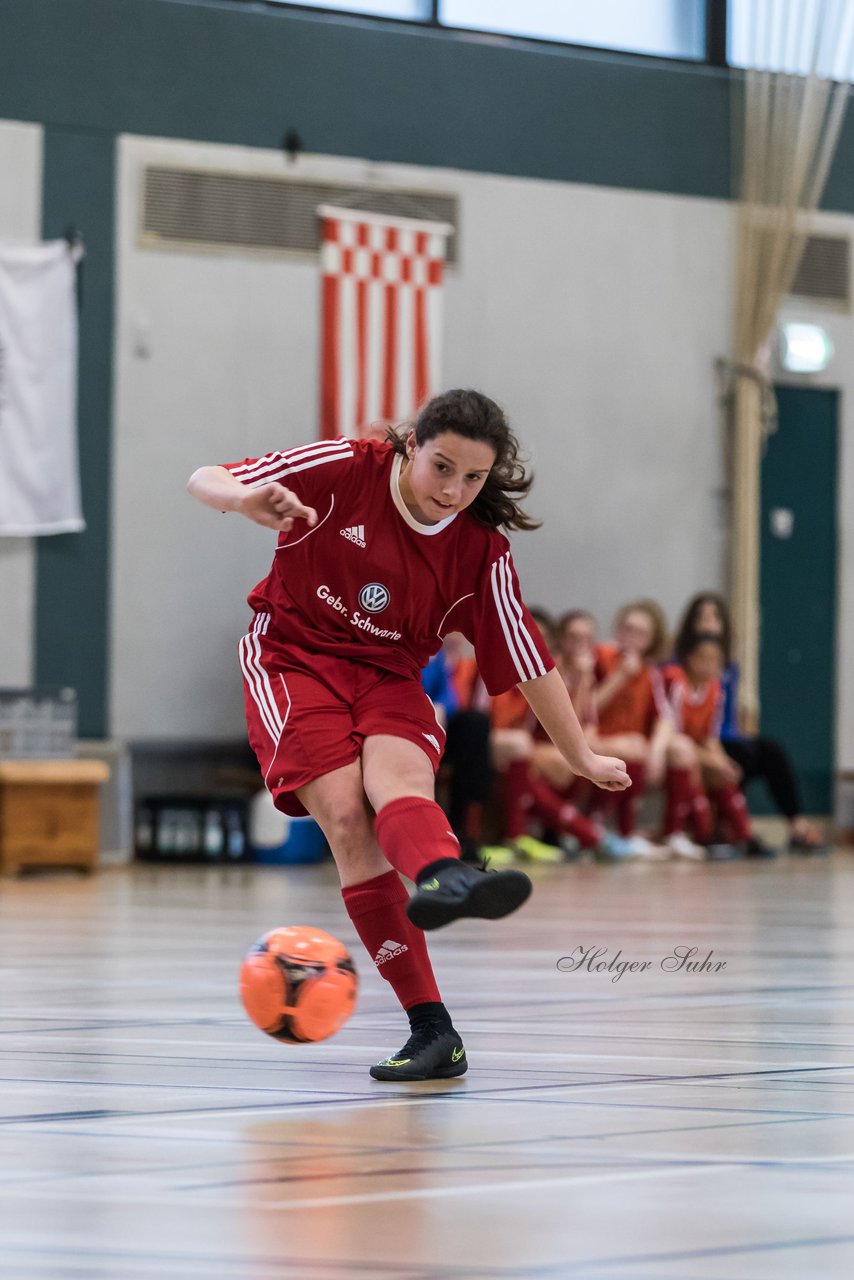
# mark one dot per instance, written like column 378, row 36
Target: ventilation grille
column 192, row 207
column 825, row 270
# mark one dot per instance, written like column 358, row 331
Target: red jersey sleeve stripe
column 717, row 716
column 520, row 670
column 662, row 706
column 676, row 703
column 527, row 640
column 510, row 625
column 291, row 455
column 275, row 466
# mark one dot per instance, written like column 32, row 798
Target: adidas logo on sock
column 355, row 533
column 389, row 950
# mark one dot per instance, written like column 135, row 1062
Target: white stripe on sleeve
column 506, row 626
column 275, row 466
column 526, row 639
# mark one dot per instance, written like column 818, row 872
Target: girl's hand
column 584, row 662
column 275, row 507
column 607, row 772
column 630, row 662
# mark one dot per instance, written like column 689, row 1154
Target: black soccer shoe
column 457, row 890
column 431, row 1053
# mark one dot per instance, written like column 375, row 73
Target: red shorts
column 309, row 713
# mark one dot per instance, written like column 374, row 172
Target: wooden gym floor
column 664, row 1126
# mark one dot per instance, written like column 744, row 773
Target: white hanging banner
column 39, row 470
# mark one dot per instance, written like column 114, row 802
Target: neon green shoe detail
column 538, row 850
column 394, row 1062
column 430, row 884
column 456, row 1054
column 498, row 855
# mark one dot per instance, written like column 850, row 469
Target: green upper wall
column 231, row 73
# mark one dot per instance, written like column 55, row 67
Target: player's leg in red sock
column 516, row 786
column 702, row 819
column 678, row 798
column 413, row 834
column 377, row 908
column 732, row 809
column 627, row 801
column 558, row 813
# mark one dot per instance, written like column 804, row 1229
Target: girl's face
column 704, row 663
column 444, row 475
column 709, row 619
column 635, row 633
column 578, row 637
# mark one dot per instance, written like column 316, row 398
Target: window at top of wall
column 786, row 38
column 668, row 28
column 415, row 10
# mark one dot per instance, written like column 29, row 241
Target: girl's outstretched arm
column 270, row 505
column 550, row 702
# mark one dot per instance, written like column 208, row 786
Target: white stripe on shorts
column 258, row 684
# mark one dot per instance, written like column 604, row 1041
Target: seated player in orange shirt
column 536, row 781
column 633, row 710
column 696, row 698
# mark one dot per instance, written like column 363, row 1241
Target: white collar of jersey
column 427, row 529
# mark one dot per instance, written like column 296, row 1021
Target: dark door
column 798, row 587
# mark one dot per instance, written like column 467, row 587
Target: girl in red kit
column 383, row 548
column 696, row 697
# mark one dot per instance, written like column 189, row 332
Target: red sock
column 556, row 812
column 378, row 910
column 701, row 816
column 730, row 805
column 517, row 798
column 679, row 793
column 627, row 800
column 413, row 833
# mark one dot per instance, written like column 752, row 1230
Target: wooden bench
column 49, row 813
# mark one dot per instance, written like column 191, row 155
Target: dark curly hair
column 474, row 416
column 696, row 640
column 688, row 623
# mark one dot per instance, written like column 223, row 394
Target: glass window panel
column 672, row 28
column 785, row 37
column 413, row 9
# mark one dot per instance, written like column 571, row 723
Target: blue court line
column 583, row 1267
column 120, row 1024
column 583, row 1163
column 396, row 1270
column 611, row 1078
column 248, row 1108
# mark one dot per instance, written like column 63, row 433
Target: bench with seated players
column 667, row 710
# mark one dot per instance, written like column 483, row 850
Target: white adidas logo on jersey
column 356, row 533
column 389, row 950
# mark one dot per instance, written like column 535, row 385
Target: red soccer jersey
column 698, row 713
column 369, row 582
column 637, row 705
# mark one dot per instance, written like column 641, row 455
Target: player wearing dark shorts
column 383, row 548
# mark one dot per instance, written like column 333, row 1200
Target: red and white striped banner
column 382, row 314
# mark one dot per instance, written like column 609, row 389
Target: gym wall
column 592, row 296
column 593, row 315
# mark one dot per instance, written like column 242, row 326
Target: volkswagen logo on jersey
column 374, row 597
